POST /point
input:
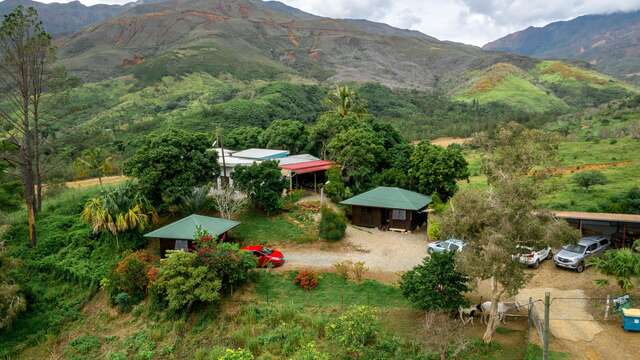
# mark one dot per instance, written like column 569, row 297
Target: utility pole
column 224, row 164
column 545, row 340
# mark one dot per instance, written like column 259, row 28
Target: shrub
column 335, row 187
column 435, row 284
column 332, row 225
column 229, row 263
column 310, row 352
column 343, row 268
column 238, row 354
column 130, row 277
column 433, row 232
column 356, row 329
column 82, row 347
column 183, row 280
column 306, row 279
column 587, row 179
column 359, row 269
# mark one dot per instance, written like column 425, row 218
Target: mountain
column 255, row 39
column 60, row 19
column 609, row 42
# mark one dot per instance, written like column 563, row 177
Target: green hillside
column 550, row 86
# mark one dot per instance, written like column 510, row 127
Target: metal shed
column 389, row 208
column 623, row 228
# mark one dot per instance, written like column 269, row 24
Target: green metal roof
column 185, row 229
column 390, row 198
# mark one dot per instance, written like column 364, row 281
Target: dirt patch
column 579, row 168
column 94, row 182
column 569, row 313
column 381, row 251
column 446, row 141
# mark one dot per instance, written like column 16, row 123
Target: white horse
column 469, row 312
column 503, row 308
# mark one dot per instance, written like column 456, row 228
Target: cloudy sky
column 470, row 21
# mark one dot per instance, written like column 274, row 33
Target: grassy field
column 619, row 160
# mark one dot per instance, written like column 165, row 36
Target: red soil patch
column 137, row 59
column 579, row 168
column 568, row 72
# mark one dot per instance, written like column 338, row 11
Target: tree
column 335, row 188
column 25, row 49
column 344, row 101
column 184, row 280
column 94, row 162
column 496, row 222
column 332, row 224
column 433, row 169
column 118, row 210
column 263, row 183
column 196, row 202
column 10, row 190
column 171, row 163
column 623, row 264
column 436, row 284
column 289, row 135
column 244, row 137
column 355, row 329
column 587, row 179
column 359, row 151
column 325, row 128
column 228, row 201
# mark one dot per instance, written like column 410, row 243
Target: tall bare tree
column 24, row 51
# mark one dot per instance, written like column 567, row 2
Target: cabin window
column 182, row 245
column 398, row 214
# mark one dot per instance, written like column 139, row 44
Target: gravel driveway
column 383, row 251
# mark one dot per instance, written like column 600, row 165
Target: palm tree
column 95, row 162
column 345, row 101
column 118, row 210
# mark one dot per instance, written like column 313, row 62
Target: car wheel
column 549, row 256
column 536, row 264
column 580, row 268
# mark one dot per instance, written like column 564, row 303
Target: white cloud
column 470, row 21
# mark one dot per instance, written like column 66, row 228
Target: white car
column 533, row 258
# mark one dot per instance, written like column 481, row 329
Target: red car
column 265, row 255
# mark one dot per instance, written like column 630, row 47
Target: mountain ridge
column 609, row 42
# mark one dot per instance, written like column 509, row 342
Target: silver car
column 453, row 245
column 573, row 256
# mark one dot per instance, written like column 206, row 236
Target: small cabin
column 179, row 235
column 389, row 208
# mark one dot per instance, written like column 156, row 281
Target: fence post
column 606, row 309
column 547, row 304
column 529, row 322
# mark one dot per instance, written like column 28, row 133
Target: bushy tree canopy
column 286, row 134
column 332, row 224
column 242, row 138
column 436, row 284
column 433, row 169
column 263, row 183
column 171, row 163
column 587, row 179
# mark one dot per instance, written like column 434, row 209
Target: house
column 389, row 208
column 179, row 234
column 302, row 170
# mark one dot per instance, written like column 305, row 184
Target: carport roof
column 185, row 228
column 612, row 217
column 390, row 198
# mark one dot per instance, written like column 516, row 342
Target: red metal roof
column 308, row 166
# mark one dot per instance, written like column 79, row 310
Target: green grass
column 257, row 228
column 560, row 193
column 520, row 93
column 332, row 291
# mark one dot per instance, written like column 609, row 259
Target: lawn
column 560, row 191
column 293, row 226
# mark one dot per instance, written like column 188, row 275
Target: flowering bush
column 239, row 354
column 306, row 279
column 356, row 329
column 130, row 277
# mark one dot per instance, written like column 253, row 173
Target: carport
column 623, row 228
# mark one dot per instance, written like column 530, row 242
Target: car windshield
column 578, row 249
column 267, row 251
